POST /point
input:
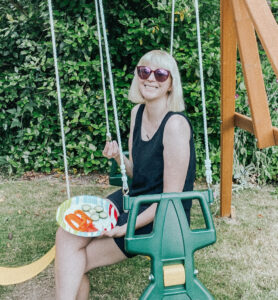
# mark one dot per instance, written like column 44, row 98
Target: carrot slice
column 72, row 217
column 83, row 215
column 85, row 224
column 91, row 228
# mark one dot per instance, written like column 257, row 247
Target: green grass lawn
column 243, row 264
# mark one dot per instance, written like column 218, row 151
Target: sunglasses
column 159, row 74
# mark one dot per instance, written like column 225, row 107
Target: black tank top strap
column 138, row 120
column 160, row 131
column 165, row 120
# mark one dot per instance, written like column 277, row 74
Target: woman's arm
column 176, row 153
column 143, row 219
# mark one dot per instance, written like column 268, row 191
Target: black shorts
column 117, row 199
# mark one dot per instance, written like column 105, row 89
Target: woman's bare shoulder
column 177, row 125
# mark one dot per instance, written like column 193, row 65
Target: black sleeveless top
column 148, row 164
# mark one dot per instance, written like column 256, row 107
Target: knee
column 60, row 237
column 66, row 240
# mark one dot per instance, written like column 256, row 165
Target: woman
column 162, row 159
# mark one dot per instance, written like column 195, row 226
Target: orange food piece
column 83, row 215
column 85, row 223
column 72, row 217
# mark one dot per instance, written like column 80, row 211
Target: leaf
column 9, row 17
column 242, row 86
column 210, row 71
column 15, row 123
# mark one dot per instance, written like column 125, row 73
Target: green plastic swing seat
column 171, row 244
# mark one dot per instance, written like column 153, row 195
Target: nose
column 152, row 77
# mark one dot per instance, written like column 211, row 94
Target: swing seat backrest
column 171, row 244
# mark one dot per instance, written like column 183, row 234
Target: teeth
column 150, row 86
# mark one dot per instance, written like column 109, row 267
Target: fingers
column 111, row 150
column 105, row 150
column 107, row 234
column 115, row 232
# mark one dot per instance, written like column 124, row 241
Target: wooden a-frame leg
column 228, row 88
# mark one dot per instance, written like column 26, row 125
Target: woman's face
column 151, row 88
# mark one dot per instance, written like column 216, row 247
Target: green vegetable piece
column 103, row 215
column 86, row 207
column 95, row 217
column 98, row 209
column 92, row 211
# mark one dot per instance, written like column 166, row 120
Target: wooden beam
column 275, row 133
column 228, row 87
column 266, row 27
column 244, row 122
column 253, row 75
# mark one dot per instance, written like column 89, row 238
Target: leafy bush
column 29, row 123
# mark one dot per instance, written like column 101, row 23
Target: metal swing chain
column 108, row 134
column 207, row 160
column 122, row 165
column 59, row 96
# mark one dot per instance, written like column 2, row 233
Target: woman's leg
column 100, row 252
column 103, row 252
column 84, row 289
column 77, row 255
column 70, row 263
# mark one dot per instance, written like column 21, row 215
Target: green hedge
column 29, row 124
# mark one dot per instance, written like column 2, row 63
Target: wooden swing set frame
column 240, row 21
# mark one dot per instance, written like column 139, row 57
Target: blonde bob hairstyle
column 160, row 59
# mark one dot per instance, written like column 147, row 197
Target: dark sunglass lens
column 161, row 75
column 144, row 72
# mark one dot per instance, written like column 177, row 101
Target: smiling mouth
column 150, row 86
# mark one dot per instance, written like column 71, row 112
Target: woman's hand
column 118, row 231
column 111, row 150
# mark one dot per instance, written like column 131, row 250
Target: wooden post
column 253, row 76
column 275, row 133
column 228, row 87
column 266, row 27
column 239, row 19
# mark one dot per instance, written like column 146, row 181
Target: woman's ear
column 170, row 87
